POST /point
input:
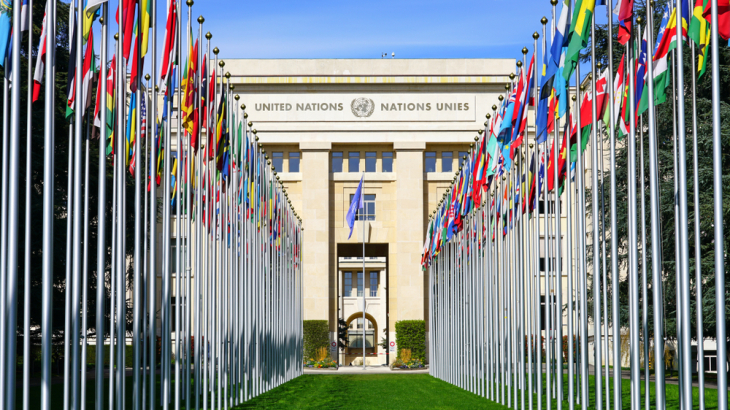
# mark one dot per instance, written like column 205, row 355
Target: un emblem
column 362, row 107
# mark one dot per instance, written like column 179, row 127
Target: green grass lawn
column 372, row 391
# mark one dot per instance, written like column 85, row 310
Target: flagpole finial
column 243, row 107
column 535, row 35
column 228, row 73
column 101, row 20
column 494, row 107
column 250, row 124
column 531, row 145
column 230, row 87
column 554, row 2
column 639, row 20
column 501, row 97
column 573, row 97
column 485, row 124
column 147, row 77
column 254, row 131
column 208, row 36
column 506, row 87
column 544, row 20
column 189, row 3
column 471, row 145
column 512, row 75
column 237, row 97
column 524, row 50
column 221, row 63
column 519, row 63
column 157, row 88
column 201, row 20
column 481, row 131
column 215, row 50
column 257, row 138
column 245, row 114
column 116, row 36
column 599, row 65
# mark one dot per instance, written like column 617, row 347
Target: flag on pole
column 723, row 17
column 6, row 25
column 40, row 62
column 580, row 29
column 661, row 61
column 24, row 16
column 91, row 12
column 88, row 73
column 358, row 202
column 169, row 48
column 624, row 9
column 71, row 79
column 699, row 32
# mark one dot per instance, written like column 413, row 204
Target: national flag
column 91, row 12
column 723, row 17
column 526, row 100
column 580, row 29
column 170, row 46
column 625, row 11
column 24, row 16
column 71, row 79
column 699, row 32
column 88, row 73
column 128, row 24
column 660, row 63
column 40, row 62
column 145, row 21
column 6, row 26
column 358, row 202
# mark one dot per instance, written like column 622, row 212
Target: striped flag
column 170, row 46
column 40, row 62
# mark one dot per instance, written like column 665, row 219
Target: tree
column 667, row 221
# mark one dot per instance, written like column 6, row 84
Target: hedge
column 316, row 336
column 411, row 334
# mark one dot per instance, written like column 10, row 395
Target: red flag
column 723, row 17
column 168, row 53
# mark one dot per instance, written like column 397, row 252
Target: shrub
column 411, row 335
column 576, row 348
column 316, row 336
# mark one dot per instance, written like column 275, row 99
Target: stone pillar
column 409, row 236
column 315, row 168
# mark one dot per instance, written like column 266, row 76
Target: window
column 173, row 255
column 353, row 162
column 294, row 162
column 373, row 284
column 337, row 162
column 543, row 317
column 552, row 264
column 430, row 164
column 173, row 312
column 348, row 284
column 550, row 206
column 359, row 285
column 387, row 162
column 355, row 333
column 447, row 161
column 370, row 160
column 277, row 160
column 369, row 211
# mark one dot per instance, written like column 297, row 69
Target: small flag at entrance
column 357, row 203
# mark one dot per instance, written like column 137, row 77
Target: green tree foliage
column 667, row 214
column 411, row 334
column 316, row 336
column 61, row 126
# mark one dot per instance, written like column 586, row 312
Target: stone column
column 315, row 168
column 409, row 236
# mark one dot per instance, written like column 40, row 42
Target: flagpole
column 145, row 257
column 28, row 176
column 48, row 208
column 698, row 249
column 4, row 230
column 597, row 354
column 364, row 325
column 655, row 237
column 199, row 224
column 720, row 284
column 138, row 162
column 152, row 301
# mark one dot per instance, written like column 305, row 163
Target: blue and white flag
column 357, row 203
column 6, row 25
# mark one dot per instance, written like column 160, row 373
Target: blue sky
column 365, row 29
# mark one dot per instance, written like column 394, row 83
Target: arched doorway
column 359, row 333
